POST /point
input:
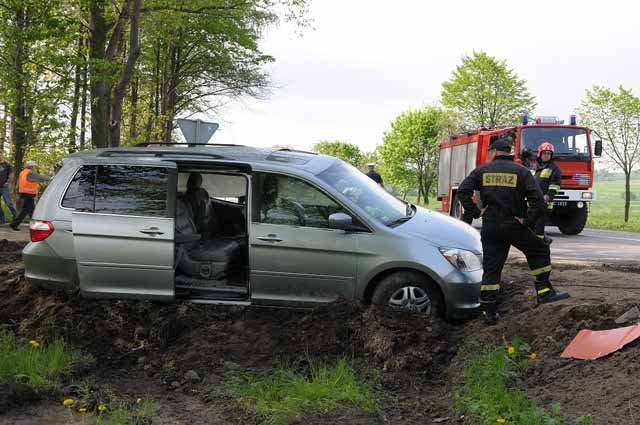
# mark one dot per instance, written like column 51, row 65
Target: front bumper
column 462, row 294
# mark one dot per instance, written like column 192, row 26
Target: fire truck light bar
column 547, row 120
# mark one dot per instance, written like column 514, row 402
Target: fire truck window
column 568, row 143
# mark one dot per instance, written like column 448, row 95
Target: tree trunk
column 125, row 77
column 76, row 99
column 627, row 194
column 154, row 99
column 166, row 90
column 133, row 121
column 5, row 116
column 427, row 189
column 83, row 107
column 19, row 114
column 99, row 86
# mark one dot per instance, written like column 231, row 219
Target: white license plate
column 560, row 203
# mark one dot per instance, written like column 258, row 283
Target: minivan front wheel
column 409, row 291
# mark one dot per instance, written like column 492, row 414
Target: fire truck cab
column 462, row 152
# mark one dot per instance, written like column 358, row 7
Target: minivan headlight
column 462, row 259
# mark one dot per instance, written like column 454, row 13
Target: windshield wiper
column 399, row 221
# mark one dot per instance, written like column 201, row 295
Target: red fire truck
column 462, row 152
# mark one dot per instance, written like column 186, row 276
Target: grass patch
column 489, row 397
column 281, row 396
column 36, row 363
column 607, row 212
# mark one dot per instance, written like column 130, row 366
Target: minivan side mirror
column 340, row 221
column 597, row 150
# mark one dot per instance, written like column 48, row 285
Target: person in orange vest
column 28, row 181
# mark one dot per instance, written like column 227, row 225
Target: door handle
column 152, row 231
column 270, row 238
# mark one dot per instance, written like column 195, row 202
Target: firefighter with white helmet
column 547, row 175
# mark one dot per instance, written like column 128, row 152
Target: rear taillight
column 40, row 230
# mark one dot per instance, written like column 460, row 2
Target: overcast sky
column 365, row 62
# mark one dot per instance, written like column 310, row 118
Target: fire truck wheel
column 573, row 223
column 411, row 292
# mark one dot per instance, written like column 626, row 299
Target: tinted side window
column 80, row 193
column 279, row 199
column 131, row 190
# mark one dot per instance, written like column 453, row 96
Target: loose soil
column 144, row 349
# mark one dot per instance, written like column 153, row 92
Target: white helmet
column 30, row 164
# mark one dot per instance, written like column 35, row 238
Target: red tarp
column 589, row 345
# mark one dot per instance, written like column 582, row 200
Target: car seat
column 206, row 259
column 197, row 198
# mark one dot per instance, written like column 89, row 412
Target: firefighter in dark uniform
column 548, row 177
column 505, row 188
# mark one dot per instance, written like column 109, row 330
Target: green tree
column 35, row 53
column 616, row 117
column 348, row 152
column 486, row 92
column 410, row 151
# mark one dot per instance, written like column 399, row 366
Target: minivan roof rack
column 158, row 153
column 145, row 144
column 296, row 151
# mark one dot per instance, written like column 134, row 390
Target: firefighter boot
column 489, row 313
column 546, row 294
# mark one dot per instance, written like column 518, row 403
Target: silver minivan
column 242, row 225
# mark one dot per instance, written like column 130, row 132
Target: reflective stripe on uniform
column 495, row 287
column 550, row 206
column 554, row 187
column 540, row 236
column 544, row 290
column 546, row 173
column 541, row 270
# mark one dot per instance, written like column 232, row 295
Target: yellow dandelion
column 511, row 349
column 138, row 400
column 533, row 356
column 501, row 420
column 102, row 407
column 82, row 409
column 68, row 401
column 34, row 343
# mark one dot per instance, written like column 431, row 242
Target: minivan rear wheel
column 409, row 291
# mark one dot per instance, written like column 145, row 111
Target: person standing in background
column 374, row 175
column 28, row 182
column 6, row 174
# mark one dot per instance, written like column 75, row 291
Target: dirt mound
column 206, row 336
column 165, row 343
column 10, row 251
column 179, row 353
column 604, row 388
column 15, row 395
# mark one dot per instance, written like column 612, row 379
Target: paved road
column 591, row 245
column 594, row 245
column 7, row 232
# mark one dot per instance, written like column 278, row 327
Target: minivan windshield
column 366, row 193
column 568, row 143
